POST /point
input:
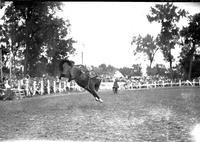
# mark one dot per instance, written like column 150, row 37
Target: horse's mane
column 70, row 63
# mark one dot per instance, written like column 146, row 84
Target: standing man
column 115, row 86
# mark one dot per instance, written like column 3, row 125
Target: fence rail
column 162, row 84
column 41, row 87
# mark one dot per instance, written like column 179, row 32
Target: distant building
column 118, row 74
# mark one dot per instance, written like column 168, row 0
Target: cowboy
column 115, row 86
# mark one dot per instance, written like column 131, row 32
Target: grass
column 157, row 115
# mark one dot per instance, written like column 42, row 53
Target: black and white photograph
column 97, row 71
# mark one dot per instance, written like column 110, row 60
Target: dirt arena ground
column 154, row 115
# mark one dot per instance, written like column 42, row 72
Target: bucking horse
column 82, row 76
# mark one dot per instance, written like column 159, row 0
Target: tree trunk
column 26, row 61
column 14, row 62
column 10, row 67
column 191, row 54
column 150, row 64
column 1, row 64
column 171, row 71
column 27, row 43
column 170, row 64
column 190, row 68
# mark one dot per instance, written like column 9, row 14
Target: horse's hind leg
column 93, row 92
column 97, row 85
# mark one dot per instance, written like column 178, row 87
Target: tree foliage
column 128, row 72
column 191, row 40
column 137, row 70
column 168, row 15
column 3, row 41
column 106, row 69
column 158, row 69
column 146, row 45
column 36, row 33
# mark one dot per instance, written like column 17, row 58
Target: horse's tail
column 97, row 81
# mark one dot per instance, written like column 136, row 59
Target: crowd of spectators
column 156, row 81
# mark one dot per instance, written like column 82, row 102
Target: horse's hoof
column 99, row 100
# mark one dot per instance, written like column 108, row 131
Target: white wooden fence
column 48, row 87
column 32, row 88
column 161, row 84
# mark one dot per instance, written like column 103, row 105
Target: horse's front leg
column 61, row 75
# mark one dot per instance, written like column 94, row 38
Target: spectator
column 7, row 86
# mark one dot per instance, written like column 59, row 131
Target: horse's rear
column 97, row 83
column 92, row 85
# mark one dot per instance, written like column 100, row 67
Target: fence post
column 199, row 82
column 48, row 87
column 147, row 84
column 139, row 85
column 171, row 83
column 193, row 82
column 155, row 84
column 54, row 86
column 42, row 87
column 69, row 86
column 27, row 87
column 131, row 86
column 34, row 87
column 19, row 85
column 21, row 82
column 179, row 82
column 59, row 87
column 65, row 86
column 163, row 83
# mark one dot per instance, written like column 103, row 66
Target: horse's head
column 65, row 66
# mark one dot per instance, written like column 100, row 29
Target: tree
column 126, row 71
column 191, row 37
column 146, row 45
column 96, row 70
column 2, row 4
column 137, row 70
column 196, row 67
column 158, row 69
column 104, row 69
column 168, row 15
column 110, row 69
column 34, row 28
column 3, row 50
column 177, row 72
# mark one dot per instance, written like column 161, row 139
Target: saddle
column 79, row 70
column 81, row 73
column 84, row 70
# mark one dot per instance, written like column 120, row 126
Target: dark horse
column 81, row 76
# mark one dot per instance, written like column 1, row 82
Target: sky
column 104, row 31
